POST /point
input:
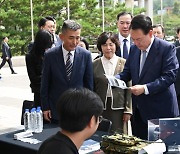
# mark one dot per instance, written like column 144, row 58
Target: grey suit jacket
column 121, row 98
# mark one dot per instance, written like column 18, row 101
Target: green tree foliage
column 15, row 18
column 166, row 3
column 170, row 20
column 176, row 9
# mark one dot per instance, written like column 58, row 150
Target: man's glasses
column 100, row 119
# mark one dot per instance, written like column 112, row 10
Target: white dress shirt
column 109, row 66
column 121, row 38
column 65, row 55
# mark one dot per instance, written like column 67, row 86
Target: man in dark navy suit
column 177, row 83
column 6, row 55
column 66, row 66
column 123, row 23
column 152, row 66
column 47, row 23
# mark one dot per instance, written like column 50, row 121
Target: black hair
column 51, row 18
column 103, row 37
column 141, row 22
column 124, row 13
column 43, row 40
column 85, row 42
column 178, row 30
column 43, row 20
column 4, row 37
column 76, row 107
column 70, row 24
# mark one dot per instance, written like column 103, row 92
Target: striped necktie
column 68, row 66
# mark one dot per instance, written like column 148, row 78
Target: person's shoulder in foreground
column 79, row 111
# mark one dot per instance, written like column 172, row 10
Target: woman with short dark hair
column 117, row 102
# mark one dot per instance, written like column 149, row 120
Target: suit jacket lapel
column 150, row 58
column 61, row 63
column 119, row 67
column 137, row 64
column 76, row 64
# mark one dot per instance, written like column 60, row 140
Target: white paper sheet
column 157, row 147
column 114, row 82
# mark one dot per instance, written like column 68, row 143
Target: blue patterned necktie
column 68, row 66
column 142, row 62
column 125, row 49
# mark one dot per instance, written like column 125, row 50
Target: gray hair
column 70, row 24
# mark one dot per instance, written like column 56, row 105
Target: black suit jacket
column 177, row 83
column 118, row 52
column 6, row 51
column 34, row 68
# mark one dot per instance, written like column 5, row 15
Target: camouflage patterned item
column 122, row 144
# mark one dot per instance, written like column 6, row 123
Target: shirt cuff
column 146, row 92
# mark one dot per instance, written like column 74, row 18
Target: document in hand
column 114, row 82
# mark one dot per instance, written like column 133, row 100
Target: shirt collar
column 149, row 47
column 112, row 60
column 65, row 52
column 121, row 38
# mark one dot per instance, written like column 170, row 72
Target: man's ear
column 151, row 33
column 61, row 36
column 91, row 122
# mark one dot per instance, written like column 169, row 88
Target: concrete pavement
column 14, row 88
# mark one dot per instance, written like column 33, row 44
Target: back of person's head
column 123, row 14
column 70, row 25
column 85, row 42
column 103, row 37
column 43, row 41
column 76, row 107
column 142, row 22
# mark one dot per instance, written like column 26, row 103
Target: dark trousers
column 139, row 127
column 9, row 62
column 116, row 117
